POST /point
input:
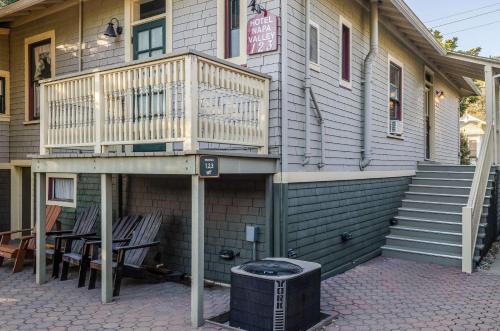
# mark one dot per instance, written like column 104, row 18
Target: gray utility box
column 275, row 294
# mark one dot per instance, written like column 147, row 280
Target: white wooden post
column 264, row 118
column 98, row 112
column 489, row 83
column 191, row 103
column 197, row 249
column 106, row 247
column 41, row 275
column 467, row 239
column 44, row 119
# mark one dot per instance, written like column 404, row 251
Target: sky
column 457, row 15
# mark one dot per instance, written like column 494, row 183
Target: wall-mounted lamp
column 439, row 95
column 110, row 30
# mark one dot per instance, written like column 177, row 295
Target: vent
column 396, row 127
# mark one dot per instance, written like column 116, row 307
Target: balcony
column 188, row 101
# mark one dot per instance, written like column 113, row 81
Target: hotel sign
column 262, row 31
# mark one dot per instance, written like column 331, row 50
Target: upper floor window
column 149, row 29
column 231, row 30
column 39, row 65
column 314, row 45
column 395, row 98
column 151, row 8
column 345, row 53
column 232, row 47
column 3, row 101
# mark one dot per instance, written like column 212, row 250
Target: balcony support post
column 197, row 249
column 191, row 102
column 41, row 274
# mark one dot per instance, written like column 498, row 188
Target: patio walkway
column 383, row 294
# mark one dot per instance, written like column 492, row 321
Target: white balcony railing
column 188, row 98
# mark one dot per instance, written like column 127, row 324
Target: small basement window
column 314, row 45
column 61, row 190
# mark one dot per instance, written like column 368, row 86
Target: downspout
column 368, row 83
column 307, row 82
column 80, row 35
column 309, row 95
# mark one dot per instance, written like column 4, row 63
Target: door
column 428, row 123
column 149, row 41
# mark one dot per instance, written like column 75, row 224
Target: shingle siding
column 319, row 213
column 231, row 203
column 342, row 108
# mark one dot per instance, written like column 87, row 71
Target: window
column 3, row 101
column 39, row 57
column 395, row 98
column 61, row 190
column 232, row 30
column 314, row 45
column 151, row 8
column 345, row 53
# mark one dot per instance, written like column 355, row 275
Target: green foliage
column 451, row 44
column 464, row 150
column 4, row 3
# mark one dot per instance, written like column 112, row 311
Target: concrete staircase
column 428, row 227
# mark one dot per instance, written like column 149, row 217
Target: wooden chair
column 83, row 226
column 26, row 244
column 122, row 230
column 129, row 258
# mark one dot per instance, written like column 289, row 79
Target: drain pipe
column 368, row 83
column 309, row 95
column 307, row 82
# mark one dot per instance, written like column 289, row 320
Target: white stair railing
column 472, row 212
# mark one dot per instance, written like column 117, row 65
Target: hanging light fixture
column 110, row 30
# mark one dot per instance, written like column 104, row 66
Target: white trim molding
column 392, row 59
column 332, row 176
column 221, row 27
column 344, row 22
column 6, row 116
column 70, row 204
column 27, row 42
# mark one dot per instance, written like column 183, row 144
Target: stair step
column 433, row 225
column 444, row 167
column 454, row 260
column 445, row 181
column 438, row 206
column 424, row 244
column 454, row 237
column 435, row 189
column 437, row 197
column 448, row 174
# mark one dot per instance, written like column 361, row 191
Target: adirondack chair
column 122, row 230
column 83, row 226
column 129, row 258
column 26, row 244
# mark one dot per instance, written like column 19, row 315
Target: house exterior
column 315, row 129
column 473, row 128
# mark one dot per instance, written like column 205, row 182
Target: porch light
column 439, row 95
column 110, row 30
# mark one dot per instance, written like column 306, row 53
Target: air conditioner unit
column 275, row 294
column 396, row 127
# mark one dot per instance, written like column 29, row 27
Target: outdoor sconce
column 110, row 30
column 439, row 95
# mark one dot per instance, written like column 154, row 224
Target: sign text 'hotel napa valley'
column 262, row 34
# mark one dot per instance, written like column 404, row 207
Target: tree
column 464, row 149
column 4, row 3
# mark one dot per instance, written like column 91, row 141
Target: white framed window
column 314, row 54
column 61, row 190
column 345, row 53
column 4, row 96
column 148, row 26
column 395, row 97
column 232, row 30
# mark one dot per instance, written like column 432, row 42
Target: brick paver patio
column 383, row 294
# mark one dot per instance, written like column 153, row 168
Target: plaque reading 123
column 262, row 33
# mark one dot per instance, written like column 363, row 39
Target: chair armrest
column 58, row 233
column 31, row 236
column 76, row 236
column 128, row 248
column 99, row 242
column 15, row 231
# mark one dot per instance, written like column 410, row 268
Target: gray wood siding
column 4, row 52
column 4, row 126
column 342, row 108
column 319, row 213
